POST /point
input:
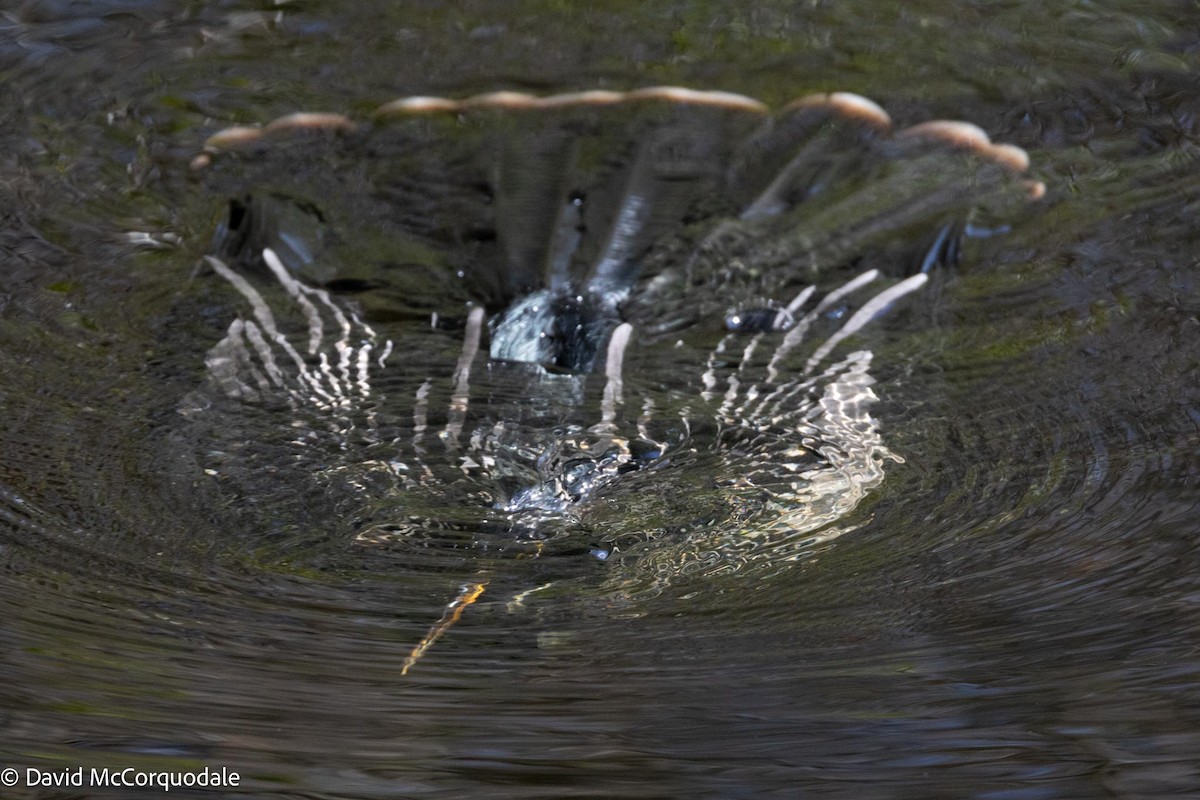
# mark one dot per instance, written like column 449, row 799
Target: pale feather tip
column 239, row 136
column 957, row 134
column 232, row 138
column 844, row 104
column 311, row 121
column 965, row 136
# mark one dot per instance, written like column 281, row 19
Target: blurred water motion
column 1012, row 615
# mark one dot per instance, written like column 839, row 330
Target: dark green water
column 1011, row 613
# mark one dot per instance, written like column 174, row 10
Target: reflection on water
column 1013, row 615
column 697, row 452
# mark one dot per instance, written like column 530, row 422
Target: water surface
column 1010, row 613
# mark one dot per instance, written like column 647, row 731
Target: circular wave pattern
column 1012, row 616
column 744, row 453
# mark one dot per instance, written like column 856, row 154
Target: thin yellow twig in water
column 469, row 594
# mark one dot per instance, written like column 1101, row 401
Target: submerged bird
column 590, row 244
